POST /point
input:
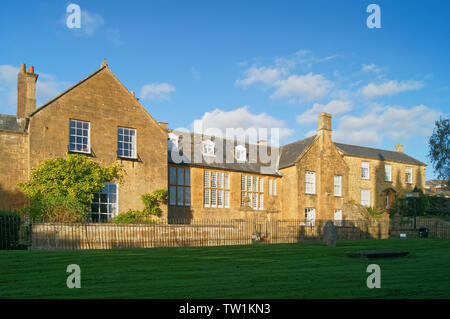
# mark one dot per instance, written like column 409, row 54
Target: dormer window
column 240, row 153
column 208, row 148
column 172, row 142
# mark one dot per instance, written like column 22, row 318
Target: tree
column 62, row 189
column 439, row 149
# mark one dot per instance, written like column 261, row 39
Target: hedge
column 9, row 230
column 425, row 206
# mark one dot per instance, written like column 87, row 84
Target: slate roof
column 290, row 152
column 10, row 123
column 287, row 156
column 378, row 154
column 220, row 160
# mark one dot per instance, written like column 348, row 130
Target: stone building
column 206, row 176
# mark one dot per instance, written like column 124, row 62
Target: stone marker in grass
column 329, row 234
column 378, row 253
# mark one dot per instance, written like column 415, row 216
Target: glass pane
column 103, row 208
column 172, row 195
column 180, row 195
column 187, row 177
column 172, row 175
column 187, row 194
column 71, row 123
column 180, row 176
column 103, row 198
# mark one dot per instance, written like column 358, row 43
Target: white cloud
column 47, row 87
column 390, row 88
column 157, row 91
column 303, row 58
column 90, row 22
column 268, row 76
column 8, row 73
column 371, row 68
column 242, row 118
column 393, row 122
column 306, row 87
column 334, row 107
column 296, row 87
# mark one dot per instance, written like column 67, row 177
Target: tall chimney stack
column 324, row 127
column 26, row 91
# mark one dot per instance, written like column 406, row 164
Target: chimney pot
column 399, row 148
column 26, row 91
column 262, row 143
column 164, row 125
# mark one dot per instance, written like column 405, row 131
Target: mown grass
column 259, row 271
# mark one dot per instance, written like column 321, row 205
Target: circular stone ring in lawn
column 378, row 253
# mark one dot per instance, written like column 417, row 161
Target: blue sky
column 249, row 63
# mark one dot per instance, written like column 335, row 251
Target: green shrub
column 9, row 230
column 57, row 209
column 426, row 205
column 62, row 189
column 376, row 213
column 151, row 208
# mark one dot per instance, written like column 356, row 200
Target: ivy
column 62, row 189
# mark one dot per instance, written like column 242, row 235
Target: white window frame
column 365, row 201
column 88, row 150
column 409, row 175
column 272, row 187
column 338, row 217
column 113, row 205
column 387, row 173
column 310, row 216
column 310, row 182
column 209, row 148
column 338, row 185
column 365, row 167
column 132, row 142
column 240, row 153
column 253, row 188
column 216, row 189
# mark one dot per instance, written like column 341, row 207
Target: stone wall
column 377, row 184
column 198, row 233
column 13, row 169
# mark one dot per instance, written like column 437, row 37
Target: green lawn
column 259, row 271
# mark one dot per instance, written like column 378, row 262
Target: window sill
column 131, row 159
column 80, row 152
